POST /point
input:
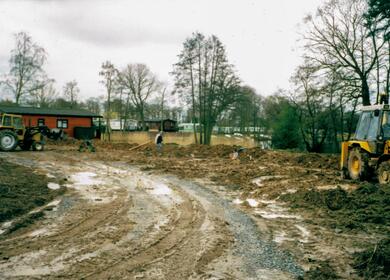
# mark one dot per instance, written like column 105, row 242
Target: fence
column 180, row 138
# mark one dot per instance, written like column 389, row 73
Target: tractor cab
column 370, row 147
column 13, row 133
column 13, row 122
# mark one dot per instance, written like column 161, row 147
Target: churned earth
column 191, row 213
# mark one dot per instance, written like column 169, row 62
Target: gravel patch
column 256, row 253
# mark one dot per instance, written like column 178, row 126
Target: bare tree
column 339, row 40
column 26, row 73
column 312, row 107
column 93, row 104
column 139, row 83
column 109, row 74
column 44, row 97
column 185, row 76
column 203, row 72
column 161, row 115
column 71, row 91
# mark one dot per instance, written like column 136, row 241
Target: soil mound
column 321, row 272
column 375, row 262
column 314, row 160
column 367, row 205
column 22, row 190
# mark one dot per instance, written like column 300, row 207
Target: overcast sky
column 261, row 37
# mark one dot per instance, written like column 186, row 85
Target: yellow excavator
column 368, row 153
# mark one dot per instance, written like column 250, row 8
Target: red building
column 65, row 119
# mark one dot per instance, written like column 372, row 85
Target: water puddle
column 305, row 233
column 39, row 232
column 160, row 223
column 238, row 201
column 346, row 187
column 93, row 188
column 5, row 226
column 54, row 202
column 158, row 188
column 161, row 189
column 53, row 186
column 260, row 180
column 274, row 211
column 23, row 265
column 281, row 236
column 252, row 202
column 85, row 178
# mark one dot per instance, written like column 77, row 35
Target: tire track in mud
column 178, row 242
column 189, row 219
column 202, row 236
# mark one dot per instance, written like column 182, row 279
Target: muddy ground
column 22, row 190
column 194, row 213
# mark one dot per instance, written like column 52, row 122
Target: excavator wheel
column 8, row 140
column 358, row 168
column 384, row 172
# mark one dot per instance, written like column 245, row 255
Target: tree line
column 346, row 63
column 206, row 85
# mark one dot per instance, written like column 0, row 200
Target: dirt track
column 119, row 222
column 193, row 213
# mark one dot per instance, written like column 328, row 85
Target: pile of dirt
column 113, row 146
column 22, row 190
column 61, row 142
column 323, row 271
column 196, row 151
column 375, row 262
column 313, row 160
column 190, row 151
column 368, row 205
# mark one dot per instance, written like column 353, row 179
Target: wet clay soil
column 138, row 214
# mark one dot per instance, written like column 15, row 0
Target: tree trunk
column 193, row 104
column 388, row 74
column 142, row 117
column 208, row 133
column 108, row 115
column 365, row 92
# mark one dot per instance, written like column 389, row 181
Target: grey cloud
column 109, row 31
column 117, row 36
column 4, row 64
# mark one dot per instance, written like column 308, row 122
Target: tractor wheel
column 37, row 146
column 8, row 140
column 358, row 168
column 384, row 172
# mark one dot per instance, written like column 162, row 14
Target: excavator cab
column 369, row 150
